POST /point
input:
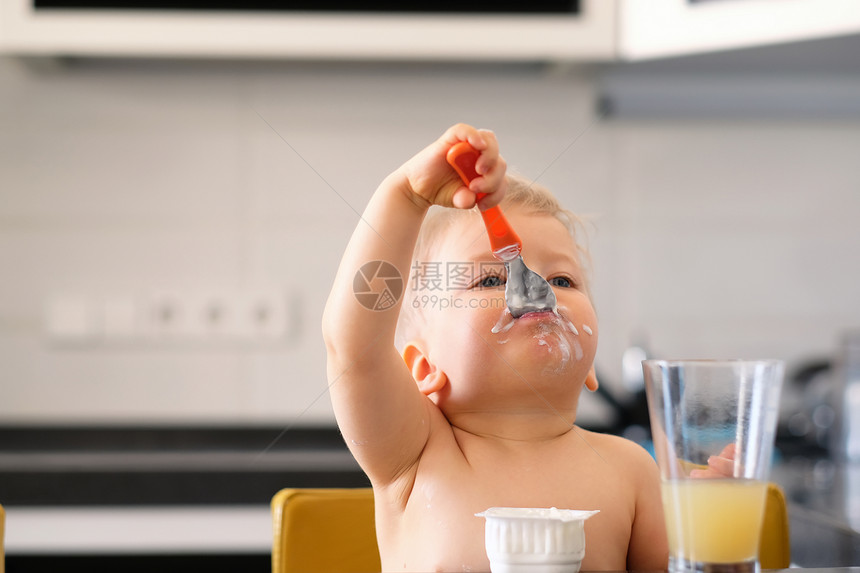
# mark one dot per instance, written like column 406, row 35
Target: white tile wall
column 124, row 179
column 742, row 240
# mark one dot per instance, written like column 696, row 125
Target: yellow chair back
column 774, row 550
column 2, row 538
column 324, row 531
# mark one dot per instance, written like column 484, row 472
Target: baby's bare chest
column 519, row 482
column 445, row 498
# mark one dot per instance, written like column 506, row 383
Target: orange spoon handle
column 504, row 241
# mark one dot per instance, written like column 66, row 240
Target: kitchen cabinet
column 583, row 30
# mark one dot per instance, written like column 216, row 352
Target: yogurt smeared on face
column 550, row 332
column 505, row 323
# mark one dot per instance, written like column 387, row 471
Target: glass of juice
column 713, row 424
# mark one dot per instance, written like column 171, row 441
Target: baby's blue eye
column 563, row 282
column 491, row 281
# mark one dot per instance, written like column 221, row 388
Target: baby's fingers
column 489, row 152
column 491, row 186
column 492, row 168
column 719, row 466
column 477, row 138
column 728, row 451
column 722, row 466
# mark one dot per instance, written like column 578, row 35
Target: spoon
column 525, row 290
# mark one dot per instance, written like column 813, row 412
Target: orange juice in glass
column 730, row 532
column 713, row 424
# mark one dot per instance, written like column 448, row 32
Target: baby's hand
column 433, row 181
column 719, row 466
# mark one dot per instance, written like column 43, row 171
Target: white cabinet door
column 656, row 28
column 587, row 33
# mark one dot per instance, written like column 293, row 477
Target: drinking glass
column 713, row 424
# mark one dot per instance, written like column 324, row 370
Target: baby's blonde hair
column 522, row 195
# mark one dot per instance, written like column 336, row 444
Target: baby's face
column 476, row 342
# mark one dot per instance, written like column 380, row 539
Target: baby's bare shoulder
column 618, row 451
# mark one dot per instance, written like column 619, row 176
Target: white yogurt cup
column 535, row 540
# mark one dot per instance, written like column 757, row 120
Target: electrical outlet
column 165, row 316
column 261, row 315
column 214, row 315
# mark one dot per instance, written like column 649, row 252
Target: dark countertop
column 824, row 511
column 140, row 466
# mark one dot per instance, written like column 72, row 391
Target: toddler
column 476, row 409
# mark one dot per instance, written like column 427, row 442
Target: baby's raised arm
column 381, row 413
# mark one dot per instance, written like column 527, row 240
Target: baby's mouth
column 557, row 317
column 536, row 314
column 551, row 329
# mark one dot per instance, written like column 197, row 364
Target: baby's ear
column 429, row 378
column 591, row 380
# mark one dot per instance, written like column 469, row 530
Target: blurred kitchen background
column 175, row 198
